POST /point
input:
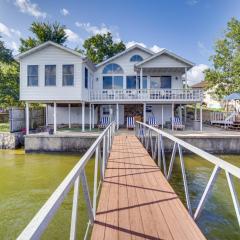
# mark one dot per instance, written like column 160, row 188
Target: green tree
column 5, row 53
column 101, row 47
column 9, row 84
column 224, row 77
column 43, row 32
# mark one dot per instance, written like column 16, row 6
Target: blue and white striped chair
column 152, row 122
column 104, row 122
column 177, row 124
column 130, row 122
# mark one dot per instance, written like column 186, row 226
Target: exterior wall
column 85, row 91
column 124, row 62
column 58, row 57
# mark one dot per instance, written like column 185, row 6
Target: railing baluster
column 172, row 160
column 95, row 181
column 163, row 156
column 73, row 228
column 87, row 196
column 151, row 142
column 155, row 148
column 207, row 190
column 234, row 195
column 104, row 157
column 184, row 180
column 159, row 151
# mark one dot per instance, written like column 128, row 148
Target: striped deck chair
column 104, row 122
column 177, row 124
column 152, row 122
column 130, row 123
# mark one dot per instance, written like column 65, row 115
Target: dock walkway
column 136, row 201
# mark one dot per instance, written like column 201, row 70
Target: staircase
column 236, row 123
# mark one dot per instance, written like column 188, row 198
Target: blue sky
column 186, row 27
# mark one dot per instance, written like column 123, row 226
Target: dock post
column 201, row 127
column 27, row 118
column 83, row 117
column 69, row 115
column 55, row 117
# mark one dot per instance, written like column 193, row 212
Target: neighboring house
column 135, row 82
column 208, row 96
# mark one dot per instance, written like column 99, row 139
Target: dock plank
column 136, row 201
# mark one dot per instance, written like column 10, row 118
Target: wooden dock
column 136, row 201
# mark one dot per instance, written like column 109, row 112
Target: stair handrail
column 230, row 119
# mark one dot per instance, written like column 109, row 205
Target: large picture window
column 161, row 82
column 112, row 82
column 32, row 75
column 50, row 75
column 68, row 75
column 112, row 68
column 131, row 82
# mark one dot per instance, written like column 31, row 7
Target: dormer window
column 136, row 58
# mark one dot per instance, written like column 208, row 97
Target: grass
column 4, row 127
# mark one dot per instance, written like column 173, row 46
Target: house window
column 68, row 75
column 112, row 82
column 131, row 82
column 136, row 58
column 86, row 77
column 32, row 77
column 50, row 75
column 144, row 82
column 112, row 68
column 161, row 82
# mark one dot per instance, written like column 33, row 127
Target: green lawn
column 4, row 127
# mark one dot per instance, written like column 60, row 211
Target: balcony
column 150, row 95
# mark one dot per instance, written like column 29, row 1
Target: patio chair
column 130, row 123
column 177, row 124
column 104, row 122
column 152, row 122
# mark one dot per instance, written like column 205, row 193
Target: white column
column 90, row 116
column 27, row 118
column 93, row 116
column 186, row 78
column 172, row 115
column 83, row 117
column 141, row 78
column 180, row 112
column 195, row 112
column 46, row 115
column 69, row 115
column 201, row 128
column 144, row 112
column 185, row 114
column 117, row 115
column 55, row 117
column 162, row 116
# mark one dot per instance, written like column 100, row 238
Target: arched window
column 113, row 68
column 136, row 58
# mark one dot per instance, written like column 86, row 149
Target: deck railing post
column 159, row 151
column 172, row 160
column 163, row 156
column 95, row 181
column 104, row 157
column 73, row 228
column 184, row 180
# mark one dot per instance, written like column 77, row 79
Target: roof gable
column 179, row 61
column 125, row 52
column 44, row 45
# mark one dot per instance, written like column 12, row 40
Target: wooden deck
column 136, row 201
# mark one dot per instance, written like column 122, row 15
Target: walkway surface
column 136, row 201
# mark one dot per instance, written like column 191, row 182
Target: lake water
column 27, row 180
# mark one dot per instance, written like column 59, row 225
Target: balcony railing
column 146, row 94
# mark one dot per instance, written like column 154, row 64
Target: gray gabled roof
column 43, row 45
column 124, row 52
column 165, row 51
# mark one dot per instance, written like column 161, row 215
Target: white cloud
column 5, row 30
column 17, row 32
column 192, row 2
column 196, row 74
column 14, row 46
column 64, row 12
column 32, row 9
column 132, row 43
column 72, row 36
column 156, row 49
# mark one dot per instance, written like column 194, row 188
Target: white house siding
column 124, row 62
column 58, row 57
column 85, row 91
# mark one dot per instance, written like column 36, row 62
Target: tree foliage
column 43, row 32
column 101, row 47
column 5, row 53
column 224, row 77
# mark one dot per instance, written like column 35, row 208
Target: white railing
column 219, row 117
column 147, row 134
column 41, row 220
column 146, row 94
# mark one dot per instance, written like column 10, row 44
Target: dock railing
column 147, row 134
column 101, row 148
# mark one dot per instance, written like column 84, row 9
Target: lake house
column 136, row 82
